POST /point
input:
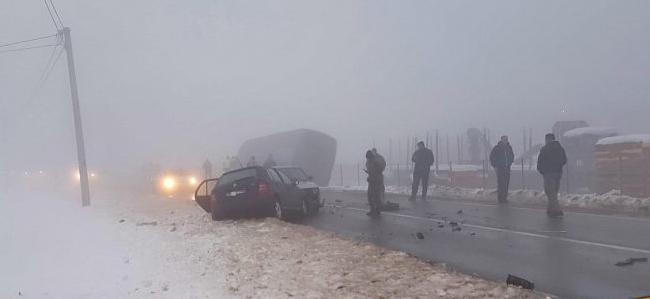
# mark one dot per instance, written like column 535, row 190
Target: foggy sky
column 175, row 82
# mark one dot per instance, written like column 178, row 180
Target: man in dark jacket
column 550, row 162
column 501, row 159
column 423, row 159
column 375, row 169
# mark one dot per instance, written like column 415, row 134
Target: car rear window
column 232, row 177
column 294, row 174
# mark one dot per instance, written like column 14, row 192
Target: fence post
column 399, row 177
column 451, row 175
column 484, row 174
column 620, row 176
column 523, row 175
column 358, row 175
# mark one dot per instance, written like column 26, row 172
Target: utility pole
column 81, row 151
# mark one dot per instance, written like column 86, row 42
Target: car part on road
column 631, row 261
column 518, row 281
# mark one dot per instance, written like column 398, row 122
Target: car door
column 290, row 195
column 202, row 194
column 239, row 191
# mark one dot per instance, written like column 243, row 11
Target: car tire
column 279, row 211
column 216, row 211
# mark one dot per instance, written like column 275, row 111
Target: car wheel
column 279, row 211
column 216, row 211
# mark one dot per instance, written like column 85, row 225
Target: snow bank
column 147, row 247
column 632, row 138
column 595, row 131
column 612, row 200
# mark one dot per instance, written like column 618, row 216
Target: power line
column 29, row 48
column 51, row 15
column 56, row 12
column 28, row 40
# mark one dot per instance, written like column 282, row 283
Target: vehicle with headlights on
column 176, row 183
column 251, row 190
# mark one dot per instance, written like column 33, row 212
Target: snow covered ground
column 612, row 200
column 146, row 247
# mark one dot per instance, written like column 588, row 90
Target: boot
column 553, row 210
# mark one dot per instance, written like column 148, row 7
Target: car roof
column 286, row 167
column 243, row 168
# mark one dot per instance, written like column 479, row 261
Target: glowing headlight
column 192, row 180
column 169, row 183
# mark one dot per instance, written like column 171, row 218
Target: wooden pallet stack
column 623, row 163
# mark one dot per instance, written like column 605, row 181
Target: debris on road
column 518, row 281
column 153, row 223
column 632, row 261
column 121, row 220
column 459, row 211
column 420, row 236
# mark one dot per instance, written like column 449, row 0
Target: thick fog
column 174, row 82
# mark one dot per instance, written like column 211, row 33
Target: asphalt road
column 572, row 257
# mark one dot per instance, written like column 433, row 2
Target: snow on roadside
column 268, row 258
column 53, row 248
column 147, row 247
column 612, row 200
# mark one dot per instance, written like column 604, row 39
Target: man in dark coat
column 550, row 162
column 423, row 159
column 375, row 169
column 501, row 159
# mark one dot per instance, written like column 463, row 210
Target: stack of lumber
column 623, row 163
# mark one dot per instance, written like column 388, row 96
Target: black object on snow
column 420, row 236
column 459, row 212
column 518, row 281
column 631, row 261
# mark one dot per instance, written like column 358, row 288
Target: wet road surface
column 572, row 257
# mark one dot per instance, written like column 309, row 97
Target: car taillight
column 263, row 188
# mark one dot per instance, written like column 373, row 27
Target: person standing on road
column 382, row 164
column 501, row 159
column 375, row 183
column 423, row 159
column 550, row 162
column 251, row 162
column 269, row 162
column 207, row 169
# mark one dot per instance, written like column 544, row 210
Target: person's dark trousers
column 503, row 183
column 374, row 196
column 552, row 188
column 420, row 178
